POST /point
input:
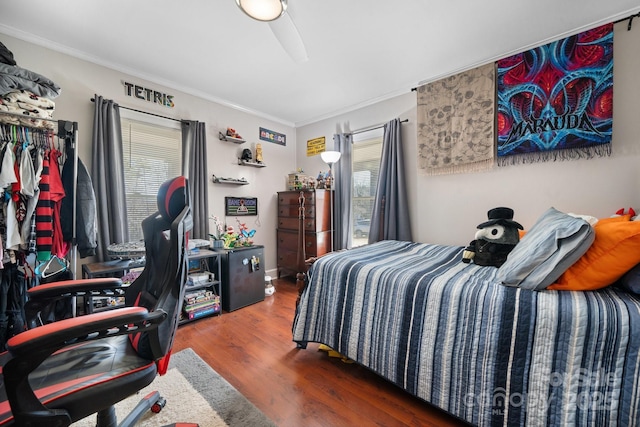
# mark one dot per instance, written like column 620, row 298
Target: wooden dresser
column 317, row 225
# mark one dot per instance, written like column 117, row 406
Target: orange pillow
column 620, row 218
column 615, row 250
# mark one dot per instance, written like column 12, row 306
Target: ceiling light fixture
column 263, row 10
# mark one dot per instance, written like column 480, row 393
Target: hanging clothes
column 16, row 207
column 7, row 171
column 44, row 214
column 29, row 188
column 56, row 193
column 86, row 220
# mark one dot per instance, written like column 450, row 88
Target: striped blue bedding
column 447, row 332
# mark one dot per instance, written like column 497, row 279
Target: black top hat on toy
column 502, row 216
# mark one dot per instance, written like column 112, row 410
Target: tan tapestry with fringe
column 456, row 118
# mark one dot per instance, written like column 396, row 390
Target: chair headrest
column 173, row 197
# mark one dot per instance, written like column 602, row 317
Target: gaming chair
column 58, row 373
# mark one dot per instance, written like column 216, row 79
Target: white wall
column 446, row 209
column 80, row 80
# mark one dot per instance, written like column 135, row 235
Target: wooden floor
column 252, row 349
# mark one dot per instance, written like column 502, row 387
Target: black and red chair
column 60, row 372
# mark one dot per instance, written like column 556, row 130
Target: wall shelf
column 254, row 164
column 232, row 181
column 224, row 137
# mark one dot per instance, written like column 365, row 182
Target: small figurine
column 232, row 133
column 259, row 153
column 246, row 155
column 230, row 237
column 328, row 180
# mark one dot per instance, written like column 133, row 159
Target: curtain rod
column 630, row 18
column 144, row 112
column 372, row 128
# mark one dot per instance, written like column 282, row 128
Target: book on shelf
column 202, row 296
column 202, row 312
column 202, row 304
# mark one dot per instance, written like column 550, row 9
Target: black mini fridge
column 242, row 276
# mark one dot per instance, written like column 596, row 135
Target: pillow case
column 555, row 242
column 630, row 282
column 615, row 251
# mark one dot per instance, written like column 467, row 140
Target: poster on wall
column 240, row 206
column 315, row 146
column 271, row 136
column 555, row 102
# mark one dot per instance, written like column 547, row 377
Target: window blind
column 366, row 168
column 151, row 154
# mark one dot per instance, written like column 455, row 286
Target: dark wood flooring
column 252, row 349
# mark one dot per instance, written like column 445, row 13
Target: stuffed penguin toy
column 494, row 239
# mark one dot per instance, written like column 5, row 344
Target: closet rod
column 372, row 128
column 145, row 112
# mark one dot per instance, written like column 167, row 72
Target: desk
column 98, row 269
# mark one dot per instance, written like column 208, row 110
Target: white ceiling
column 360, row 51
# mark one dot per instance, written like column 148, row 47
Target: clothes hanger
column 53, row 266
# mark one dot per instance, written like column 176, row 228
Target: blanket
column 14, row 78
column 27, row 109
column 450, row 334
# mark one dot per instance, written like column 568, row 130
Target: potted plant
column 217, row 237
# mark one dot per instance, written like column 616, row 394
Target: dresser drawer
column 288, row 260
column 288, row 240
column 292, row 211
column 316, row 244
column 293, row 198
column 293, row 223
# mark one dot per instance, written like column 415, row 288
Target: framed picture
column 240, row 206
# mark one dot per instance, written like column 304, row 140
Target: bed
column 453, row 335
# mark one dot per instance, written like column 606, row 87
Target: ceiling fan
column 274, row 12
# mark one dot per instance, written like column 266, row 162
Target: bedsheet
column 449, row 333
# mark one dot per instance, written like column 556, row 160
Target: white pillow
column 553, row 244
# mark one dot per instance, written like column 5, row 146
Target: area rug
column 195, row 393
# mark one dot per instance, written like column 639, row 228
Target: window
column 366, row 152
column 152, row 153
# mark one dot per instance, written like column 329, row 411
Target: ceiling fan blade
column 287, row 34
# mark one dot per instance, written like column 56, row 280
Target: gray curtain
column 390, row 216
column 342, row 196
column 108, row 176
column 194, row 167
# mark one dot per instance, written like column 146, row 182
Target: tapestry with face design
column 456, row 122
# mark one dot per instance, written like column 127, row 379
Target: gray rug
column 195, row 393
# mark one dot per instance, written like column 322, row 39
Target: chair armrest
column 78, row 287
column 53, row 336
column 30, row 348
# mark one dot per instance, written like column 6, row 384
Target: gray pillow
column 553, row 244
column 630, row 282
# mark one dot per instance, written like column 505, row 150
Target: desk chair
column 58, row 373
